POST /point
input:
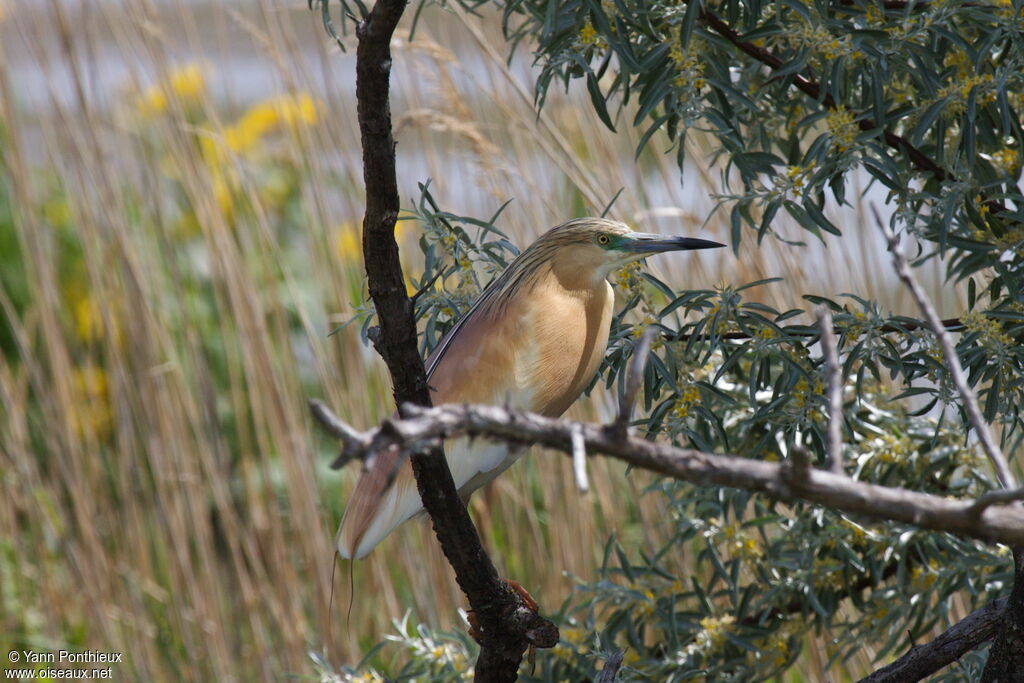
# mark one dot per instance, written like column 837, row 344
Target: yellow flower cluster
column 803, row 390
column 573, row 641
column 821, row 42
column 588, row 35
column 795, row 179
column 185, row 84
column 638, row 330
column 859, row 536
column 723, row 326
column 92, row 413
column 1007, row 160
column 283, row 112
column 689, row 397
column 715, row 631
column 990, row 333
column 646, row 606
column 827, row 577
column 960, row 89
column 346, row 244
column 738, row 544
column 776, row 648
column 843, row 127
column 958, row 58
column 876, row 613
column 873, row 15
column 688, row 64
column 891, row 449
column 628, row 276
column 923, row 577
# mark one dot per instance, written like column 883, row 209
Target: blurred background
column 180, row 200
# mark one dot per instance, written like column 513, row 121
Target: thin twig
column 956, row 371
column 634, row 380
column 834, row 445
column 611, row 667
column 999, row 496
column 803, row 331
column 579, row 461
column 354, row 443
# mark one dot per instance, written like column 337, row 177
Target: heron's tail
column 384, row 497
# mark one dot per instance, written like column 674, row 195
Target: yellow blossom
column 1007, row 159
column 346, row 244
column 92, row 413
column 186, row 84
column 588, row 34
column 873, row 14
column 264, row 117
column 715, row 630
column 990, row 332
column 843, row 127
column 688, row 397
column 573, row 641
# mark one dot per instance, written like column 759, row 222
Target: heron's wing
column 474, row 364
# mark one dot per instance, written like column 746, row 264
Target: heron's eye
column 603, row 239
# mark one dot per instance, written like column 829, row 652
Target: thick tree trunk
column 1006, row 658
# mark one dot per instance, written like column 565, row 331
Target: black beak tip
column 695, row 243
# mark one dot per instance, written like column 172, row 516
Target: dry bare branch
column 956, row 371
column 829, row 348
column 579, row 461
column 785, row 481
column 634, row 379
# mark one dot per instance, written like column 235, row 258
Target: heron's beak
column 647, row 243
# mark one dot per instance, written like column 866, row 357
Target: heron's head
column 599, row 246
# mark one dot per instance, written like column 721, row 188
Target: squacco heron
column 532, row 341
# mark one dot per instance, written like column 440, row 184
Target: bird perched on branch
column 532, row 341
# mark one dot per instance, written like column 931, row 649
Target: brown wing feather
column 365, row 500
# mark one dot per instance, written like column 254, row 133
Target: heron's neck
column 575, row 273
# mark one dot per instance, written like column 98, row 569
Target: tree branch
column 956, row 371
column 834, row 447
column 968, row 634
column 1002, row 524
column 948, row 323
column 507, row 625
